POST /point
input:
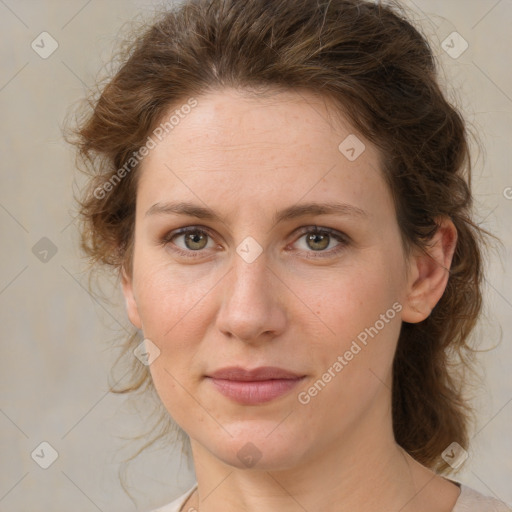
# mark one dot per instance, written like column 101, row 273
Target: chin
column 257, row 449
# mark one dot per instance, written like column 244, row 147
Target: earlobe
column 429, row 273
column 129, row 297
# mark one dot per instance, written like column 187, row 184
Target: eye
column 317, row 240
column 189, row 240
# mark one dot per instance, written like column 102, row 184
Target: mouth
column 253, row 387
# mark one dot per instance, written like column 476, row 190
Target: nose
column 252, row 308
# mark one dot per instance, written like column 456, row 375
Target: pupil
column 315, row 239
column 195, row 238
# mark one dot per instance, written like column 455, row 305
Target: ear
column 129, row 297
column 429, row 273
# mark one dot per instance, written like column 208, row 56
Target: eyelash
column 338, row 236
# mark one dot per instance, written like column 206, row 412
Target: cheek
column 354, row 361
column 170, row 309
column 171, row 380
column 352, row 299
column 360, row 316
column 168, row 297
column 173, row 307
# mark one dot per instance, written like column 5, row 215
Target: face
column 249, row 277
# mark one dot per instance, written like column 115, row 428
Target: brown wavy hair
column 380, row 72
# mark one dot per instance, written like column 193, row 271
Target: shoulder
column 176, row 505
column 473, row 501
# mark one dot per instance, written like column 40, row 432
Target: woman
column 284, row 192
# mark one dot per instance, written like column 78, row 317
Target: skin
column 295, row 306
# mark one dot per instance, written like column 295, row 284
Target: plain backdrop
column 56, row 336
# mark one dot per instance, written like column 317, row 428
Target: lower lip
column 254, row 392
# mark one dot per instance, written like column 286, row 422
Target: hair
column 379, row 71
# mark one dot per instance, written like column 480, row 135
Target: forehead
column 233, row 120
column 288, row 143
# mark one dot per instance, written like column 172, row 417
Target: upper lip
column 262, row 373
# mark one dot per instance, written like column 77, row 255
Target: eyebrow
column 290, row 213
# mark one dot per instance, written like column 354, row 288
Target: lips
column 262, row 373
column 256, row 386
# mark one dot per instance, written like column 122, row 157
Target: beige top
column 469, row 501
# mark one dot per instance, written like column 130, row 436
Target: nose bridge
column 249, row 278
column 249, row 266
column 249, row 307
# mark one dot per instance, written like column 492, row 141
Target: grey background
column 56, row 341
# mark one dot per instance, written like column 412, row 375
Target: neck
column 365, row 471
